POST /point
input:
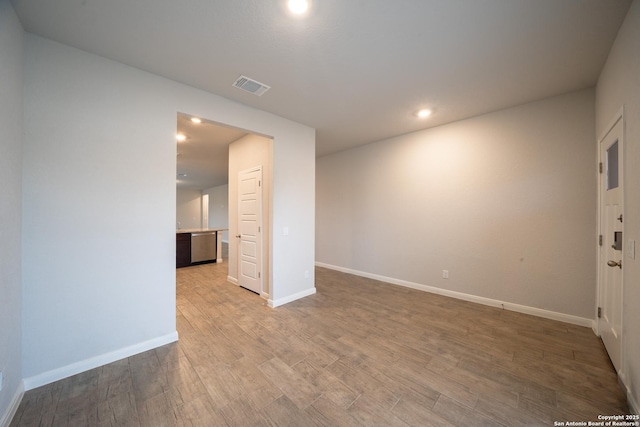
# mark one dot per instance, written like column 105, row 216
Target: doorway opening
column 210, row 156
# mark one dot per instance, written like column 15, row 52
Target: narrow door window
column 612, row 166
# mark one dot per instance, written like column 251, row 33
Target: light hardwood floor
column 359, row 352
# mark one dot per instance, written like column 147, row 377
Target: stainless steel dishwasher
column 203, row 246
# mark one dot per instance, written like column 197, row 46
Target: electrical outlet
column 306, row 274
column 445, row 274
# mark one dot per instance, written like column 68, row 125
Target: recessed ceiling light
column 423, row 114
column 298, row 6
column 196, row 120
column 180, row 137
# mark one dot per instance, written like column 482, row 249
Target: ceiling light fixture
column 180, row 137
column 423, row 114
column 298, row 6
column 196, row 120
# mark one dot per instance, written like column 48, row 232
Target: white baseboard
column 553, row 315
column 93, row 362
column 634, row 408
column 13, row 406
column 282, row 301
column 633, row 405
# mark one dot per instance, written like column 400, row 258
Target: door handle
column 614, row 264
column 238, row 236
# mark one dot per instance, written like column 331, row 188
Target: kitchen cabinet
column 183, row 249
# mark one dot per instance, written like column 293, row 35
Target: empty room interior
column 425, row 212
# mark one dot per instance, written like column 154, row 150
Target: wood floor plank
column 241, row 413
column 317, row 355
column 367, row 412
column 476, row 384
column 416, row 410
column 461, row 415
column 199, row 411
column 220, row 383
column 419, row 378
column 505, row 414
column 524, row 386
column 257, row 387
column 283, row 412
column 326, row 413
column 357, row 353
column 301, row 392
column 119, row 409
column 332, row 388
column 364, row 383
column 157, row 411
column 243, row 344
column 147, row 377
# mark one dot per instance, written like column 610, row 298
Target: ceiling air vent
column 250, row 85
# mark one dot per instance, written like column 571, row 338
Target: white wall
column 11, row 69
column 245, row 153
column 294, row 208
column 99, row 226
column 289, row 177
column 219, row 208
column 505, row 201
column 99, row 210
column 619, row 85
column 188, row 208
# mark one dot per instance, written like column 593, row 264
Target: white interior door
column 250, row 229
column 611, row 260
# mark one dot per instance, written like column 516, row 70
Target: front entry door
column 611, row 260
column 250, row 229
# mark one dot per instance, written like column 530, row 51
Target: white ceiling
column 355, row 70
column 204, row 156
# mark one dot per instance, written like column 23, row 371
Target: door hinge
column 600, row 240
column 259, row 183
column 619, row 218
column 599, row 312
column 600, row 167
column 259, row 275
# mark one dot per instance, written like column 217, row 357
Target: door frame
column 618, row 117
